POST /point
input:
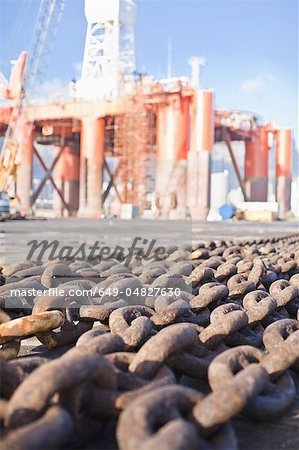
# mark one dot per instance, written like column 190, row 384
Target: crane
column 26, row 72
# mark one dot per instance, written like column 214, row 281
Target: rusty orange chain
column 234, row 323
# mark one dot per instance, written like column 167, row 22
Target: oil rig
column 123, row 139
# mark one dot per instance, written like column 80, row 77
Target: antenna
column 169, row 58
column 196, row 62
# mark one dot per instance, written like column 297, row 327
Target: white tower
column 109, row 55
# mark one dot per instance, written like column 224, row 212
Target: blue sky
column 250, row 47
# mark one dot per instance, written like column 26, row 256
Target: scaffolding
column 131, row 142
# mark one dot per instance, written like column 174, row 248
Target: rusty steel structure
column 124, row 139
column 151, row 149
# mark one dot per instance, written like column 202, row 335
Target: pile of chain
column 119, row 364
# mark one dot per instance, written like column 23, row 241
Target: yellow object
column 7, row 162
column 259, row 216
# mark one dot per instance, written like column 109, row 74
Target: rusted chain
column 132, row 323
column 158, row 348
column 32, row 397
column 146, row 423
column 49, row 431
column 10, row 349
column 30, row 325
column 224, row 320
column 233, row 324
column 69, row 332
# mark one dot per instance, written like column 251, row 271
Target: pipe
column 234, row 162
column 256, row 165
column 283, row 170
column 172, row 147
column 66, row 176
column 24, row 169
column 199, row 157
column 91, row 167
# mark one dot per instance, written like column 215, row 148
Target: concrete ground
column 14, row 237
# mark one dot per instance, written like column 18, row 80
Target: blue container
column 227, row 211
